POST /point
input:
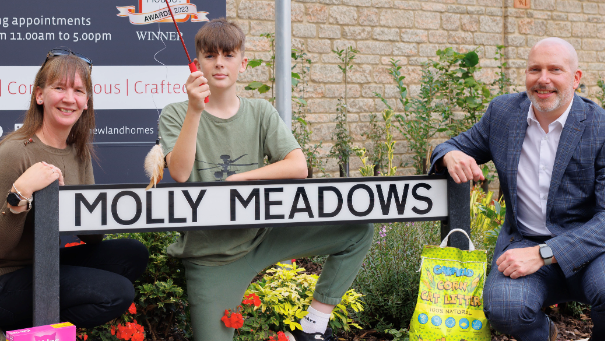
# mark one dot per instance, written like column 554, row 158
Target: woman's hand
column 37, row 177
column 56, row 169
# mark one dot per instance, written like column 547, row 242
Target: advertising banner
column 139, row 66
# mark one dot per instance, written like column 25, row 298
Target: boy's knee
column 366, row 232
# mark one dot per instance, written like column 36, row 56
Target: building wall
column 411, row 32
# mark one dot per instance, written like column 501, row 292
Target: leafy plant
column 342, row 149
column 503, row 82
column 256, row 325
column 284, row 294
column 487, row 217
column 387, row 115
column 399, row 335
column 459, row 90
column 368, row 168
column 259, row 86
column 300, row 126
column 161, row 297
column 377, row 152
column 123, row 328
column 417, row 125
column 389, row 146
column 343, row 143
column 601, row 96
column 420, row 126
column 388, row 278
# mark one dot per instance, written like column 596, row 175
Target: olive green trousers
column 212, row 289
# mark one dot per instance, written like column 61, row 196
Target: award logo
column 152, row 11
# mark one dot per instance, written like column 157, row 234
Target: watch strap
column 548, row 260
column 26, row 201
column 13, row 199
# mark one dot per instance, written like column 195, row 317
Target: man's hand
column 462, row 167
column 517, row 263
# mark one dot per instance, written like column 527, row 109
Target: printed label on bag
column 450, row 297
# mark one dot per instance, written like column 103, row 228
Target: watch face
column 13, row 199
column 545, row 252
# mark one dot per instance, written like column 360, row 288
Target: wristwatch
column 546, row 254
column 15, row 200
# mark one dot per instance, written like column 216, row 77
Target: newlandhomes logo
column 152, row 11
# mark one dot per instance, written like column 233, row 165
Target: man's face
column 550, row 79
column 221, row 69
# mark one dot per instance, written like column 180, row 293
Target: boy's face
column 221, row 69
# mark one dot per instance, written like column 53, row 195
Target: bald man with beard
column 548, row 146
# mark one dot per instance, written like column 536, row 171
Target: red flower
column 131, row 331
column 123, row 333
column 85, row 337
column 132, row 309
column 74, row 244
column 138, row 337
column 252, row 299
column 113, row 330
column 282, row 337
column 226, row 320
column 233, row 320
column 237, row 320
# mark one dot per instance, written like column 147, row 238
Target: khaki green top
column 225, row 147
column 17, row 230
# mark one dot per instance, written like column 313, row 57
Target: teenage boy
column 227, row 140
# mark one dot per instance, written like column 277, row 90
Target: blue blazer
column 575, row 210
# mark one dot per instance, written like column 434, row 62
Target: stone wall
column 411, row 31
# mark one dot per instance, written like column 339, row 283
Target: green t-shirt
column 224, row 147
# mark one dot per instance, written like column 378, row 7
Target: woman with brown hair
column 54, row 143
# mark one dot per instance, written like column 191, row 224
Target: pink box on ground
column 54, row 332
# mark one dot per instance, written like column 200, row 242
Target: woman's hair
column 61, row 68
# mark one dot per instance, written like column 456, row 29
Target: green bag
column 450, row 296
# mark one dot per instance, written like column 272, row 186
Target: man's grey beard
column 562, row 98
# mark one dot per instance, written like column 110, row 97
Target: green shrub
column 487, row 217
column 343, row 143
column 388, row 278
column 279, row 300
column 601, row 96
column 161, row 297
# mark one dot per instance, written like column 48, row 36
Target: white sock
column 315, row 321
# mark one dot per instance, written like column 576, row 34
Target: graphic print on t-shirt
column 225, row 167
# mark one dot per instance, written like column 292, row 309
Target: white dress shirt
column 535, row 170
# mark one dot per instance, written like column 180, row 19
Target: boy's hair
column 219, row 35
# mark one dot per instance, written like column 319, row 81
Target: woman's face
column 63, row 103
